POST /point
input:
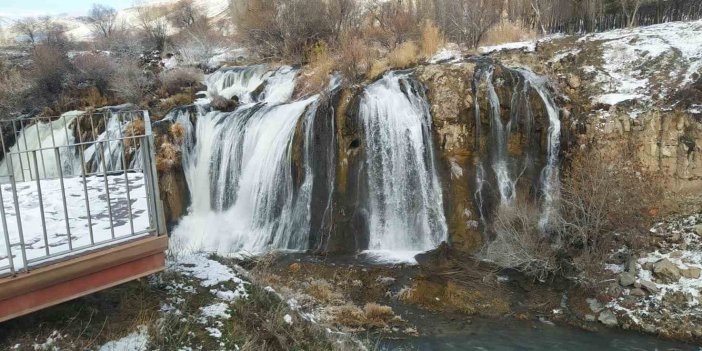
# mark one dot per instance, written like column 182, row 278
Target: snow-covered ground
column 634, row 58
column 136, row 341
column 128, row 217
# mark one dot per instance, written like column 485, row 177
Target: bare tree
column 29, row 29
column 186, row 14
column 630, row 9
column 153, row 25
column 103, row 19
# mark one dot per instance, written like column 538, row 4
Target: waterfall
column 239, row 166
column 507, row 169
column 236, row 81
column 43, row 137
column 506, row 184
column 550, row 174
column 244, row 82
column 404, row 196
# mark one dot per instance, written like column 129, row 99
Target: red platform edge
column 79, row 276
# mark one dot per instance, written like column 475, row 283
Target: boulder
column 698, row 229
column 608, row 318
column 574, row 81
column 637, row 292
column 627, row 279
column 692, row 272
column 666, row 271
column 649, row 286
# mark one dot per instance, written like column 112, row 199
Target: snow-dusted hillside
column 79, row 30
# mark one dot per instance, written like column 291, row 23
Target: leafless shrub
column 103, row 20
column 42, row 30
column 284, row 28
column 131, row 83
column 519, row 244
column 51, row 71
column 153, row 25
column 95, row 69
column 173, row 81
column 355, row 58
column 13, row 88
column 605, row 204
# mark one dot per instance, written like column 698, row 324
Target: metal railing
column 74, row 184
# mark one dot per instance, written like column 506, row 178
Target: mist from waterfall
column 404, row 195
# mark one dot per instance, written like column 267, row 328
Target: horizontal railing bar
column 4, row 179
column 48, row 148
column 53, row 118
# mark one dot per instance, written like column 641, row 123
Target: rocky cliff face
column 631, row 92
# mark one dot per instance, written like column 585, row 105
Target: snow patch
column 136, row 341
column 218, row 310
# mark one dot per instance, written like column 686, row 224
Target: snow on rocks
column 136, row 341
column 636, row 61
column 666, row 291
column 528, row 46
column 446, row 55
column 209, row 272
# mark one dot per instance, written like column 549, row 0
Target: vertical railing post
column 81, row 154
column 41, row 204
column 63, row 198
column 18, row 215
column 107, row 188
column 6, row 233
column 152, row 176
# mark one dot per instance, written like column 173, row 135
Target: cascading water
column 404, row 197
column 243, row 82
column 507, row 169
column 239, row 170
column 236, row 81
column 549, row 175
column 43, row 137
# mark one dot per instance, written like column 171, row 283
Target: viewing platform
column 81, row 209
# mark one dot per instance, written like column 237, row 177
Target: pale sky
column 22, row 8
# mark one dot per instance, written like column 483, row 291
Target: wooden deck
column 81, row 275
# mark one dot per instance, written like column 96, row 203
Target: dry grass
column 507, row 32
column 168, row 157
column 323, row 291
column 377, row 68
column 453, row 296
column 374, row 311
column 404, row 56
column 315, row 75
column 93, row 98
column 432, row 39
column 177, row 132
column 176, row 100
column 371, row 316
column 135, row 128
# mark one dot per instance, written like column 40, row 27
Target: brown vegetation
column 604, row 203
